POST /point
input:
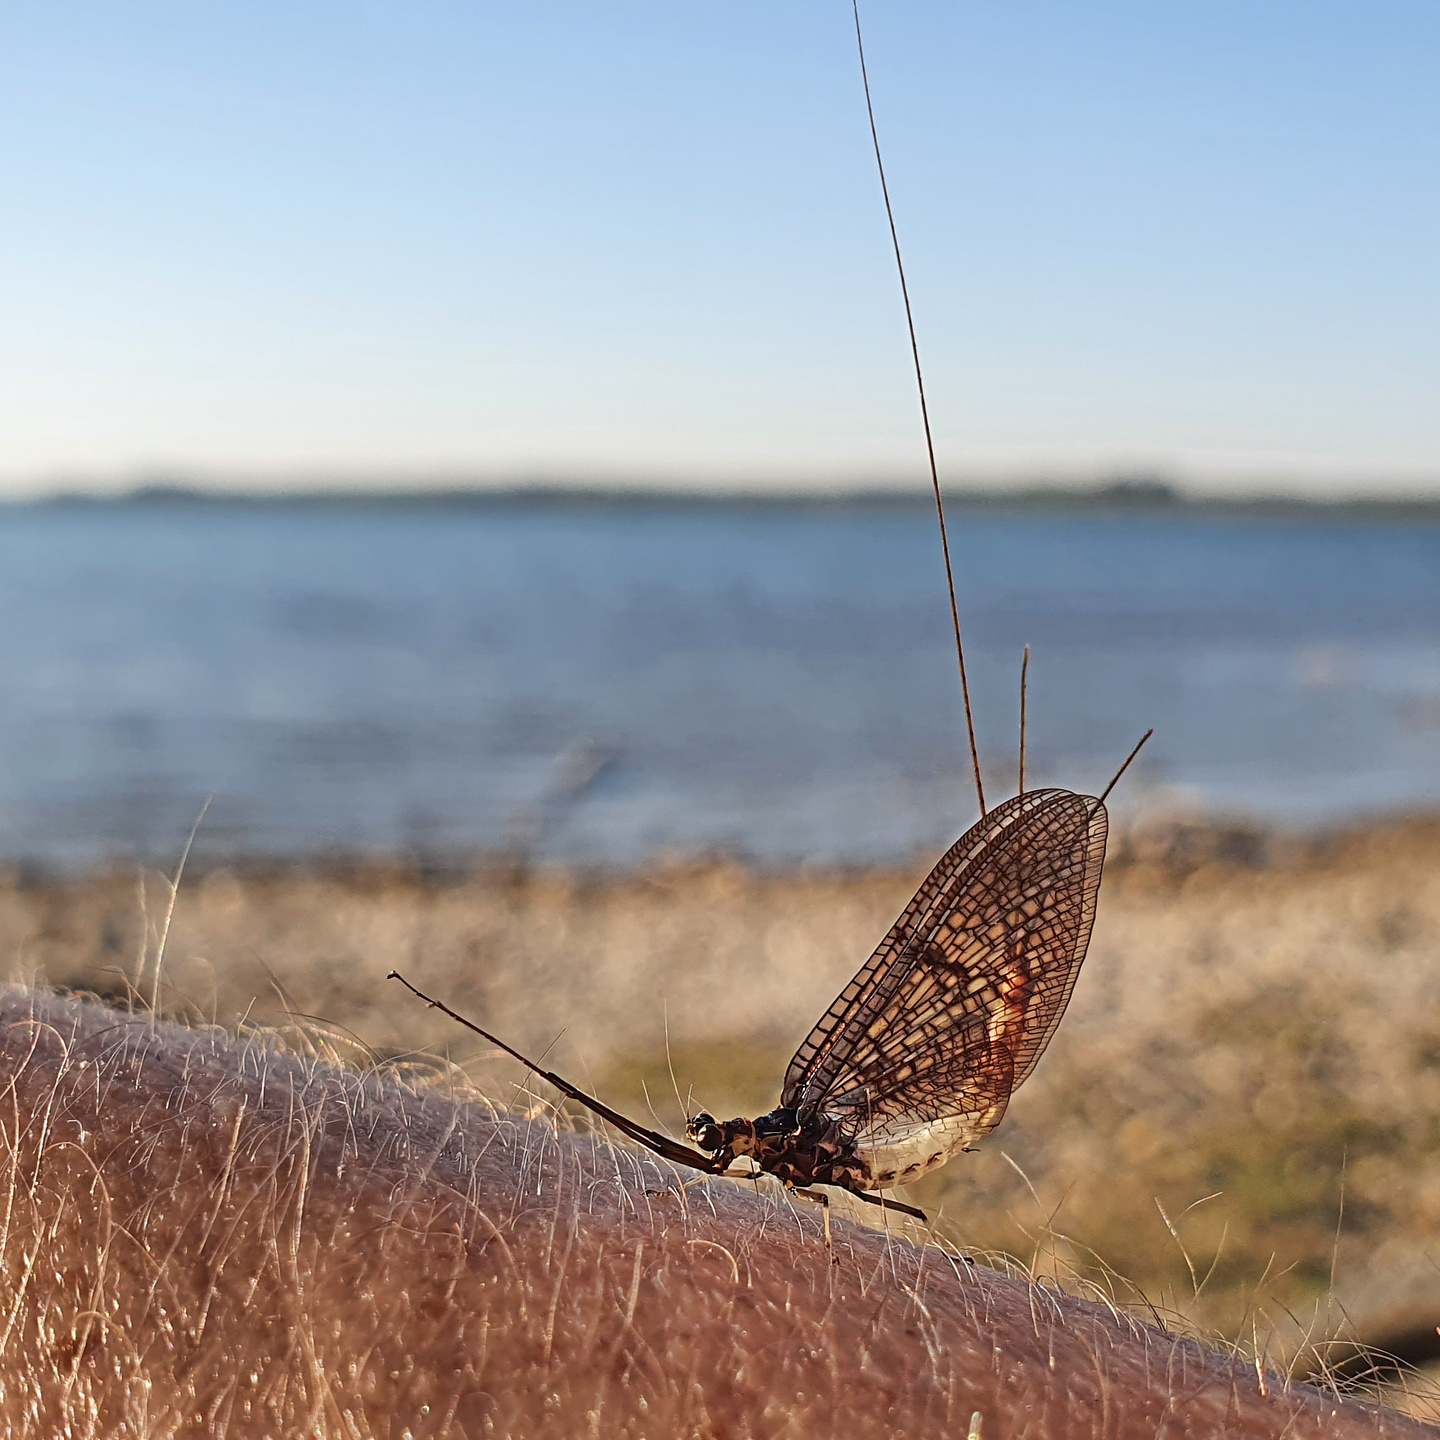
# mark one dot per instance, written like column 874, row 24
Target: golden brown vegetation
column 1256, row 1036
column 200, row 1235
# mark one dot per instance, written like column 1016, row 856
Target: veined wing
column 924, row 1047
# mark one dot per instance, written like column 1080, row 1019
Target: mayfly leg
column 823, row 1200
column 708, row 1175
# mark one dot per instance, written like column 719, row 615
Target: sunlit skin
column 221, row 1229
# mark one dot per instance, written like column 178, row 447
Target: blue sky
column 296, row 242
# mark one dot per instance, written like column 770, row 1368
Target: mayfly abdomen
column 902, row 1159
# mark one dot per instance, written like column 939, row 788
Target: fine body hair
column 205, row 1234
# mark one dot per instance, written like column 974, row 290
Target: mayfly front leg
column 818, row 1197
column 707, row 1175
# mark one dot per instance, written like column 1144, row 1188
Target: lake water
column 605, row 684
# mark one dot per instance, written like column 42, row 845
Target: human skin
column 201, row 1234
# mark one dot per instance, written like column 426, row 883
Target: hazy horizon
column 1130, row 486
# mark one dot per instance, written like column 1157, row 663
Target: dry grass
column 1257, row 1023
column 200, row 1235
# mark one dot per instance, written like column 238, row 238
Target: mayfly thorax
column 919, row 1054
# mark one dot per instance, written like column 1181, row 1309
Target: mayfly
column 919, row 1054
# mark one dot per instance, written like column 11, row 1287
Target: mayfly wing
column 952, row 1011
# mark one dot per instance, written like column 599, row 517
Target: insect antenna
column 1024, row 673
column 924, row 412
column 1104, row 794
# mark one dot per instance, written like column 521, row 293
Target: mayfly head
column 703, row 1131
column 730, row 1137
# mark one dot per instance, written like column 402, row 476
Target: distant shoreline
column 1149, row 498
column 1175, row 844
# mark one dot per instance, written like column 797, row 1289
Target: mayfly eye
column 705, row 1131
